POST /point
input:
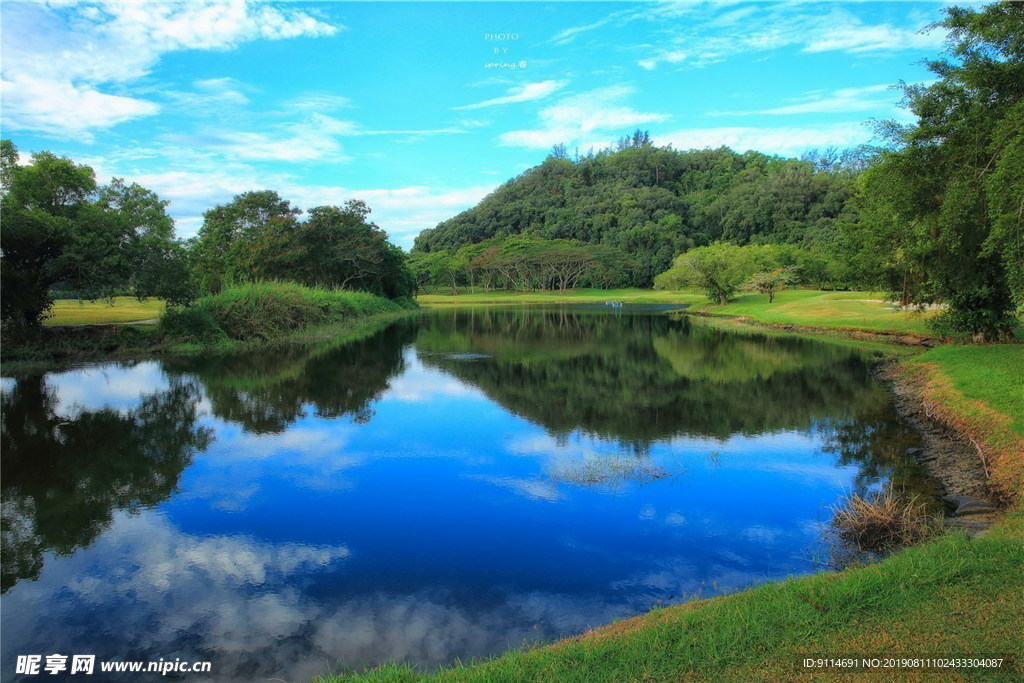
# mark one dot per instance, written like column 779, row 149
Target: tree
column 719, row 269
column 60, row 228
column 229, row 230
column 950, row 195
column 772, row 281
column 344, row 249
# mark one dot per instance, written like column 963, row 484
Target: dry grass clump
column 881, row 521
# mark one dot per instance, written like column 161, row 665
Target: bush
column 262, row 310
column 193, row 324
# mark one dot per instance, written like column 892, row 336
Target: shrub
column 262, row 310
column 193, row 324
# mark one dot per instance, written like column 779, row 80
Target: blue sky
column 421, row 109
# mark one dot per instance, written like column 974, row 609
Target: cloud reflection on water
column 148, row 590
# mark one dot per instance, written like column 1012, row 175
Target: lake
column 460, row 483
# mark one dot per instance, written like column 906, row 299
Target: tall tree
column 230, row 229
column 950, row 196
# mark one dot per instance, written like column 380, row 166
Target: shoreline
column 946, row 456
column 58, row 358
column 900, row 338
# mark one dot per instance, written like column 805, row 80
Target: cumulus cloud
column 580, row 116
column 148, row 587
column 67, row 68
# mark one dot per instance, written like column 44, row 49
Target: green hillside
column 655, row 203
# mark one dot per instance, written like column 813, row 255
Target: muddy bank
column 948, row 457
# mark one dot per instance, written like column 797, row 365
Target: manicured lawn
column 845, row 310
column 577, row 296
column 124, row 309
column 992, row 374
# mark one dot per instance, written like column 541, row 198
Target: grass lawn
column 576, row 296
column 125, row 309
column 992, row 374
column 845, row 310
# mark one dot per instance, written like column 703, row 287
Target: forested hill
column 655, row 203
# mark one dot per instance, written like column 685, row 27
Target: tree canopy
column 259, row 235
column 943, row 211
column 60, row 227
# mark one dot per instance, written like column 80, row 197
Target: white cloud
column 533, row 489
column 522, row 93
column 844, row 100
column 856, row 37
column 577, row 117
column 66, row 66
column 310, row 140
column 318, row 102
column 786, row 141
column 116, row 386
column 420, row 385
column 568, row 35
column 211, row 95
column 257, row 608
column 66, row 109
column 714, row 32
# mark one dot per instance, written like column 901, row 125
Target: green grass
column 842, row 310
column 991, row 374
column 263, row 310
column 122, row 309
column 576, row 296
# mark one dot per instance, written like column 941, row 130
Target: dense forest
column 654, row 203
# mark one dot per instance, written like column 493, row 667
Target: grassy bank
column 239, row 318
column 865, row 311
column 977, row 392
column 264, row 310
column 952, row 597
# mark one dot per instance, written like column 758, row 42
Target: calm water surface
column 453, row 486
